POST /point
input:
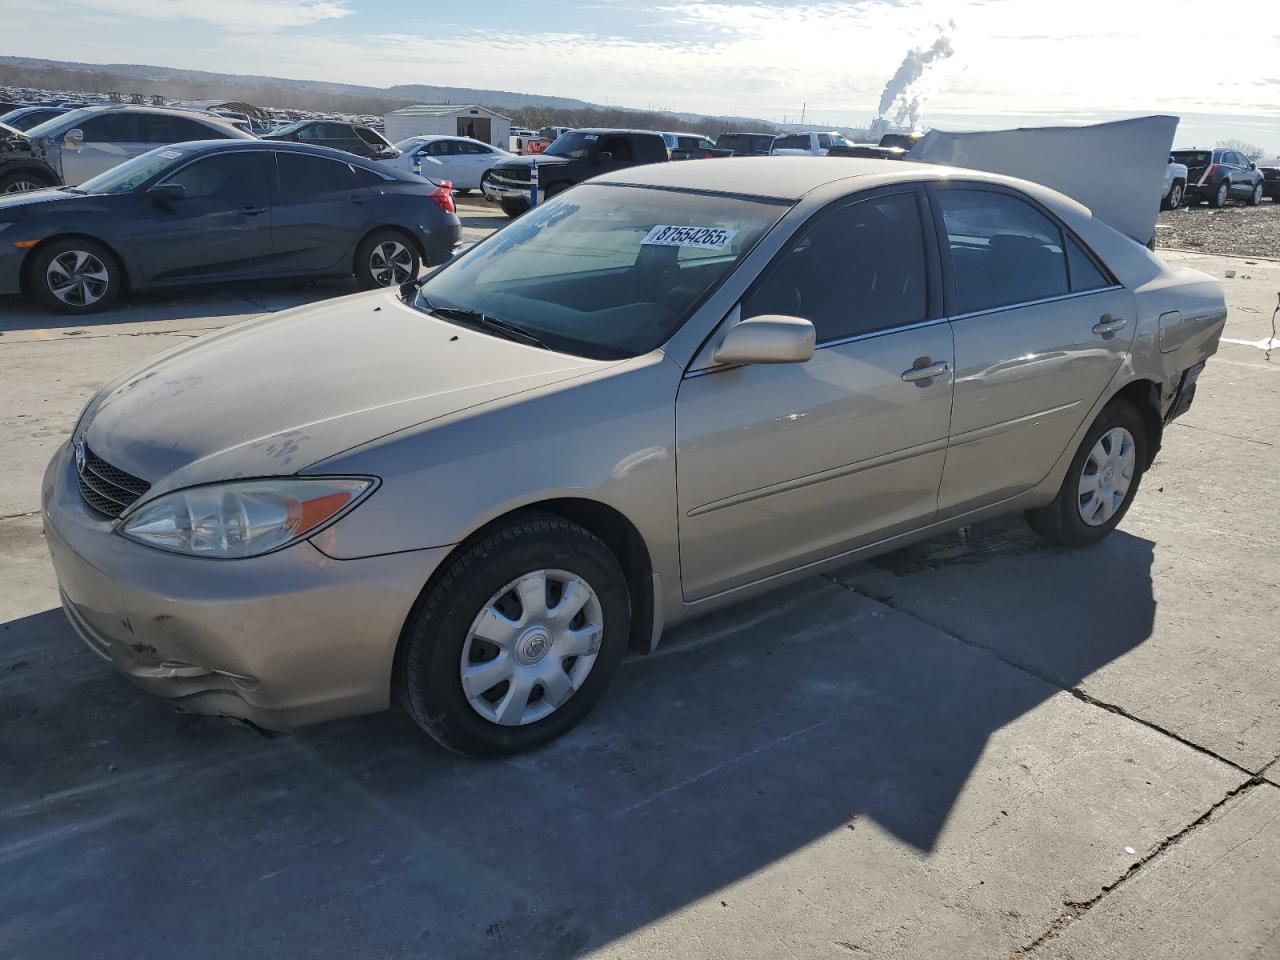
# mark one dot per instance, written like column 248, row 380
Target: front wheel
column 1100, row 483
column 386, row 258
column 514, row 208
column 75, row 276
column 22, row 181
column 517, row 640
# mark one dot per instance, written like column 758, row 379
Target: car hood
column 13, row 205
column 272, row 396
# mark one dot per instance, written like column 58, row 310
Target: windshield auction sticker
column 705, row 238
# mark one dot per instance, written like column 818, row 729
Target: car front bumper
column 497, row 191
column 283, row 640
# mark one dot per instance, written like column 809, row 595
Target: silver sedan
column 658, row 393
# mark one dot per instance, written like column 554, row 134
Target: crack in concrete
column 18, row 516
column 1048, row 678
column 198, row 331
column 1074, row 910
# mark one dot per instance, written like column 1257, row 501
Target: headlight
column 244, row 518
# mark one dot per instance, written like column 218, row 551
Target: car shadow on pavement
column 188, row 303
column 749, row 735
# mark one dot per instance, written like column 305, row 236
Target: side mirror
column 73, row 139
column 604, row 156
column 767, row 339
column 1253, row 166
column 167, row 192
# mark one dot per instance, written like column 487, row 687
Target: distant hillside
column 526, row 109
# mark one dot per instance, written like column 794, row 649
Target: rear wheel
column 1255, row 198
column 75, row 276
column 1174, row 199
column 1101, row 481
column 1220, row 195
column 386, row 258
column 517, row 640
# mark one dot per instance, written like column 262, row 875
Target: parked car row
column 1218, row 175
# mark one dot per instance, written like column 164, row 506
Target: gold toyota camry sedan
column 660, row 392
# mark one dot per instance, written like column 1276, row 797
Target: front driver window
column 851, row 271
column 233, row 179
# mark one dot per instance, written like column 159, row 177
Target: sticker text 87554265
column 706, row 238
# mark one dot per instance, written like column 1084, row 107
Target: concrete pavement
column 977, row 747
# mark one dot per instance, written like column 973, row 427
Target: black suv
column 746, row 144
column 574, row 157
column 338, row 134
column 1219, row 175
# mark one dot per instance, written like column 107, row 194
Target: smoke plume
column 904, row 95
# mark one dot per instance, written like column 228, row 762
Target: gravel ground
column 1236, row 230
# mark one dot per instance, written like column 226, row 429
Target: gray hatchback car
column 655, row 394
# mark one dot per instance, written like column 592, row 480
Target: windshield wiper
column 507, row 329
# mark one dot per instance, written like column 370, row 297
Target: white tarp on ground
column 1115, row 169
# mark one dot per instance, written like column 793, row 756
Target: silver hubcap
column 531, row 647
column 77, row 278
column 1176, row 198
column 391, row 263
column 21, row 186
column 1222, row 194
column 1107, row 475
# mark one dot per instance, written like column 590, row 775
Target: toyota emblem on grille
column 79, row 456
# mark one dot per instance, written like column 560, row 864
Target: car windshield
column 62, row 122
column 132, row 173
column 603, row 271
column 290, row 127
column 410, row 143
column 574, row 145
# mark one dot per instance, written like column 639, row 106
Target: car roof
column 614, row 130
column 790, row 178
column 289, row 146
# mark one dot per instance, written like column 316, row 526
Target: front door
column 1040, row 330
column 779, row 466
column 222, row 227
column 109, row 139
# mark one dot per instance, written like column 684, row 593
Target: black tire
column 514, row 208
column 1220, row 195
column 557, row 188
column 1255, row 198
column 427, row 674
column 1174, row 198
column 99, row 273
column 22, row 180
column 1061, row 522
column 386, row 258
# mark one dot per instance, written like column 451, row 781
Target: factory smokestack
column 905, row 94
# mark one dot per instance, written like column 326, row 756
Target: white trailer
column 448, row 119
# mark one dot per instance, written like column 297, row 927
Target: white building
column 449, row 119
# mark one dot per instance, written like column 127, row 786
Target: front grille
column 108, row 489
column 510, row 178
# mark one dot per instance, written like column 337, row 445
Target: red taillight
column 443, row 195
column 1209, row 171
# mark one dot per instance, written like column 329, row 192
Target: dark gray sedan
column 222, row 210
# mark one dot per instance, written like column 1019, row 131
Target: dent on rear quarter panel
column 1182, row 313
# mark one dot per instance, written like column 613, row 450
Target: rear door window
column 303, row 177
column 1085, row 274
column 620, row 147
column 1003, row 250
column 156, row 128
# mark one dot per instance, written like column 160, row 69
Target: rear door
column 783, row 465
column 1040, row 330
column 220, row 229
column 318, row 212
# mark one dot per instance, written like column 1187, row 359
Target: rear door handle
column 916, row 374
column 1108, row 325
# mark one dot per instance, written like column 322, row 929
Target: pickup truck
column 574, row 157
column 812, row 144
column 1175, row 185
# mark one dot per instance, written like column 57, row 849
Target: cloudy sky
column 1015, row 61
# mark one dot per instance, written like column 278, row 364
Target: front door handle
column 252, row 211
column 916, row 374
column 1108, row 325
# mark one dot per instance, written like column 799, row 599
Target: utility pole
column 803, row 108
